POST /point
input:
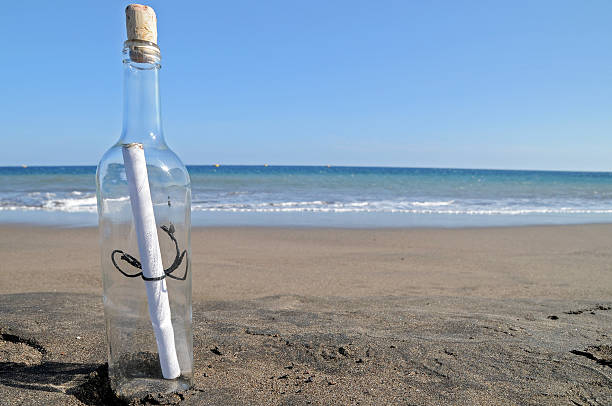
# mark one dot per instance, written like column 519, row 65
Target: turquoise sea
column 331, row 196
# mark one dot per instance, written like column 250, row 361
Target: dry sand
column 290, row 316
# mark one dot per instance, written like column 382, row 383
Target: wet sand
column 290, row 316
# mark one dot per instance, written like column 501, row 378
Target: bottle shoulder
column 163, row 166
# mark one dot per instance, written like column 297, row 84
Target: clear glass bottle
column 134, row 366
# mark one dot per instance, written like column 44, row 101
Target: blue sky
column 478, row 84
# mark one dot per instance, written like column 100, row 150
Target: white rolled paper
column 150, row 257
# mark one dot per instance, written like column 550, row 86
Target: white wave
column 49, row 202
column 293, row 204
column 119, row 199
column 358, row 204
column 46, row 195
column 85, row 202
column 433, row 204
column 392, row 207
column 88, row 204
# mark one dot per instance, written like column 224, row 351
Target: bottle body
column 134, row 366
column 133, row 343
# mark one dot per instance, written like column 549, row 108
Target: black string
column 167, row 272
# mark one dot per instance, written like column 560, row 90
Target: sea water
column 331, row 196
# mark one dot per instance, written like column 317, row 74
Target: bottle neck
column 141, row 100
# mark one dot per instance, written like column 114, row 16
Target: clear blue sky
column 479, row 84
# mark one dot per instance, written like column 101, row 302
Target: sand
column 290, row 316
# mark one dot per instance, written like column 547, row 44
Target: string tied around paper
column 167, row 272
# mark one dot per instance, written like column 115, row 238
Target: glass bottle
column 134, row 365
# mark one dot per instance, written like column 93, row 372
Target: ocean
column 330, row 196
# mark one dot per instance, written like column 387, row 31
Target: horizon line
column 219, row 165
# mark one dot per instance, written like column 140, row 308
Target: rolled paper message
column 150, row 257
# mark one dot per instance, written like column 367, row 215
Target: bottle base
column 140, row 387
column 137, row 375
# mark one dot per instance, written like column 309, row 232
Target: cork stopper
column 141, row 23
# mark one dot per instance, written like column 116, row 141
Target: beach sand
column 485, row 316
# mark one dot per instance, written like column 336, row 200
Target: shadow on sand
column 88, row 383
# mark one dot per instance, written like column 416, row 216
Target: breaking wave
column 73, row 202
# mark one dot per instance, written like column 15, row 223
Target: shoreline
column 306, row 219
column 64, row 226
